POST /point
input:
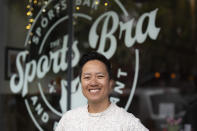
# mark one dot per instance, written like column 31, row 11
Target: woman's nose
column 93, row 81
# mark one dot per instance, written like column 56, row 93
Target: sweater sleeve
column 134, row 124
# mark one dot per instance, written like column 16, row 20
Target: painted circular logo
column 42, row 68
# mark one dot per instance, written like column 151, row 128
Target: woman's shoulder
column 71, row 118
column 120, row 111
column 74, row 113
column 131, row 122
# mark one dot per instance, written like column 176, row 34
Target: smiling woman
column 96, row 85
column 100, row 113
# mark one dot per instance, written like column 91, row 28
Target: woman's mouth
column 96, row 90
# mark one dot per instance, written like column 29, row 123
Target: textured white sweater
column 113, row 118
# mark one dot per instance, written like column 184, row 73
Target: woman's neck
column 97, row 107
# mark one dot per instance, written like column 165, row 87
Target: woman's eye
column 100, row 76
column 86, row 77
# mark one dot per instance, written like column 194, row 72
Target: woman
column 99, row 114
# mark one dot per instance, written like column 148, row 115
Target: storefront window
column 151, row 44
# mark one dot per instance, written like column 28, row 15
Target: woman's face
column 95, row 81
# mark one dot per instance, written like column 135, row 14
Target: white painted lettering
column 94, row 5
column 45, row 117
column 120, row 73
column 114, row 99
column 152, row 30
column 57, row 60
column 63, row 4
column 38, row 31
column 119, row 86
column 128, row 27
column 51, row 14
column 51, row 89
column 78, row 2
column 76, row 55
column 43, row 66
column 54, row 44
column 17, row 87
column 44, row 22
column 63, row 51
column 35, row 39
column 39, row 109
column 86, row 2
column 34, row 100
column 56, row 64
column 106, row 34
column 29, row 75
column 57, row 8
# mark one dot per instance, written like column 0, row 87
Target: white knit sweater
column 113, row 118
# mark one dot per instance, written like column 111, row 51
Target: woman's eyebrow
column 86, row 74
column 100, row 73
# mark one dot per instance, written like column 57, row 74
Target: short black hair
column 94, row 56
